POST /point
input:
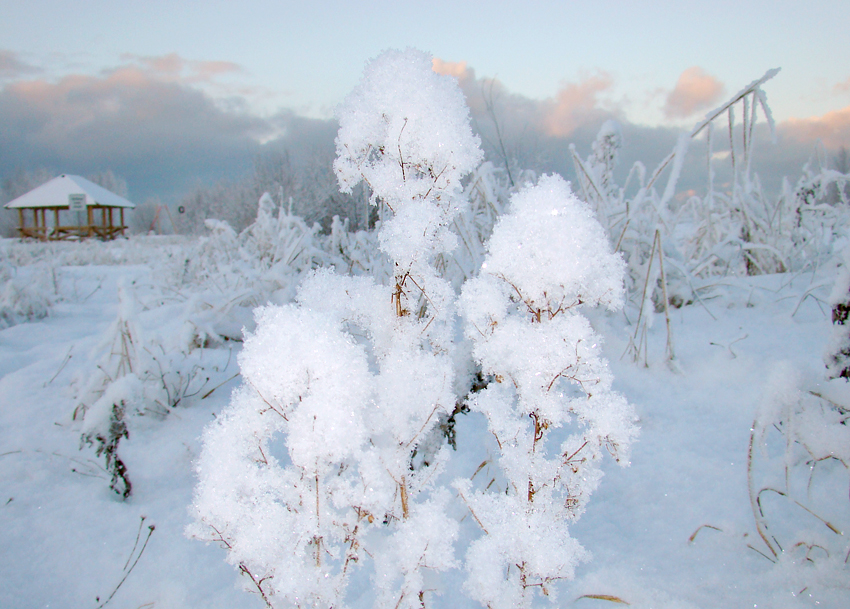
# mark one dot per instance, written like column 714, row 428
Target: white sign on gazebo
column 77, row 202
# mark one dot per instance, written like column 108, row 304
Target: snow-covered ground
column 672, row 530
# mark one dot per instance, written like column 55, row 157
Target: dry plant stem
column 700, row 528
column 405, row 507
column 316, row 539
column 258, row 583
column 151, row 529
column 61, row 368
column 136, row 543
column 760, row 553
column 604, row 597
column 828, row 524
column 643, row 301
column 210, row 392
column 579, row 165
column 671, row 355
column 761, row 527
column 471, row 511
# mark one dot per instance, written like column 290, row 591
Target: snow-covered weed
column 548, row 258
column 27, row 293
column 736, row 230
column 798, row 463
column 138, row 371
column 362, row 372
column 326, row 459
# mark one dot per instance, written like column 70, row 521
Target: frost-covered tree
column 309, row 470
column 548, row 258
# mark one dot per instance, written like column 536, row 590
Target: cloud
column 11, row 67
column 458, row 69
column 694, row 91
column 576, row 104
column 174, row 68
column 832, row 129
column 152, row 131
column 159, row 123
column 842, row 87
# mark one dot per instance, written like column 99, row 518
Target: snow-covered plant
column 139, row 371
column 27, row 295
column 837, row 356
column 105, row 400
column 799, row 456
column 596, row 175
column 797, row 470
column 281, row 239
column 356, row 253
column 548, row 258
column 309, row 471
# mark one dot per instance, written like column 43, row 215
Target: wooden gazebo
column 81, row 209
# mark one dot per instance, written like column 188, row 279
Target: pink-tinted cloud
column 842, row 87
column 471, row 86
column 575, row 104
column 458, row 69
column 694, row 91
column 489, row 100
column 832, row 129
column 174, row 68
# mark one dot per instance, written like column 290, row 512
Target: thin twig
column 151, row 529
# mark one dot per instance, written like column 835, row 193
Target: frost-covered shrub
column 325, row 461
column 309, row 470
column 139, row 371
column 115, row 389
column 260, row 264
column 798, row 463
column 356, row 253
column 837, row 356
column 548, row 258
column 27, row 295
column 487, row 192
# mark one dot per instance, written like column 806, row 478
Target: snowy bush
column 548, row 258
column 837, row 357
column 107, row 397
column 27, row 295
column 139, row 372
column 798, row 463
column 326, row 459
column 361, row 373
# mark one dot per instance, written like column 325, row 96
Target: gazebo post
column 89, row 221
column 56, row 233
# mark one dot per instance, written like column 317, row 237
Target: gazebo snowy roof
column 55, row 193
column 76, row 200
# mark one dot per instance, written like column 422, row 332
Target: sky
column 171, row 94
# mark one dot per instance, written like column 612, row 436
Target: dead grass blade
column 700, row 528
column 604, row 597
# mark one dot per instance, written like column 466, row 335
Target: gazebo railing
column 57, row 232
